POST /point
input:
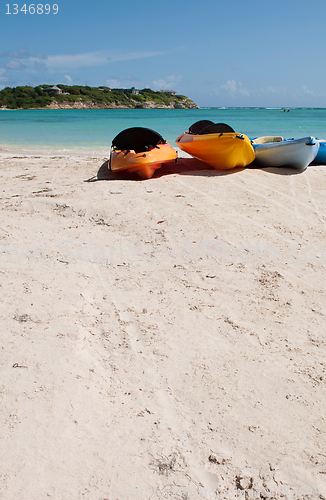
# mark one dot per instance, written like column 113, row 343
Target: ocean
column 91, row 131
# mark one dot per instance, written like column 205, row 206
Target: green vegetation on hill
column 41, row 96
column 24, row 97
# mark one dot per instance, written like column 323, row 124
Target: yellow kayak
column 140, row 150
column 217, row 145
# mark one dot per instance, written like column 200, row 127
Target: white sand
column 180, row 371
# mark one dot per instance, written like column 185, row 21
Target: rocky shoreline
column 145, row 105
column 91, row 105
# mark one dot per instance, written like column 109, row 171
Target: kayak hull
column 222, row 151
column 321, row 155
column 292, row 153
column 144, row 163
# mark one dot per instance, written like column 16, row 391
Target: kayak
column 275, row 151
column 217, row 144
column 321, row 155
column 140, row 150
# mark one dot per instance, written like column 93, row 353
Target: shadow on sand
column 184, row 166
column 278, row 170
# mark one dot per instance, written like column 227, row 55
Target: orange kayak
column 140, row 150
column 217, row 145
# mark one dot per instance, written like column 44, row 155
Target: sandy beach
column 161, row 338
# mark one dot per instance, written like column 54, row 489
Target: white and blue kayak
column 321, row 155
column 271, row 151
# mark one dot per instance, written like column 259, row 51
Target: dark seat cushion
column 198, row 126
column 138, row 139
column 216, row 128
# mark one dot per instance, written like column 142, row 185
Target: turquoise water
column 92, row 131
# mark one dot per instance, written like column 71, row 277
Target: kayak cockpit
column 267, row 139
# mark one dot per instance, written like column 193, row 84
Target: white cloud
column 230, row 86
column 14, row 64
column 307, row 91
column 88, row 59
column 76, row 61
column 52, row 63
column 168, row 84
column 233, row 88
column 113, row 83
column 68, row 79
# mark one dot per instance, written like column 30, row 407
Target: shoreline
column 38, row 152
column 275, row 108
column 88, row 105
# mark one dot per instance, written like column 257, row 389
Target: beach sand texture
column 168, row 338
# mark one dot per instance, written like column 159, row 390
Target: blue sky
column 230, row 53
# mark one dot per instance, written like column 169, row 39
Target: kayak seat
column 138, row 139
column 198, row 126
column 216, row 128
column 267, row 139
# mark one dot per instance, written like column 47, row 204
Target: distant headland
column 84, row 97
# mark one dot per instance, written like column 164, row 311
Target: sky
column 218, row 53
